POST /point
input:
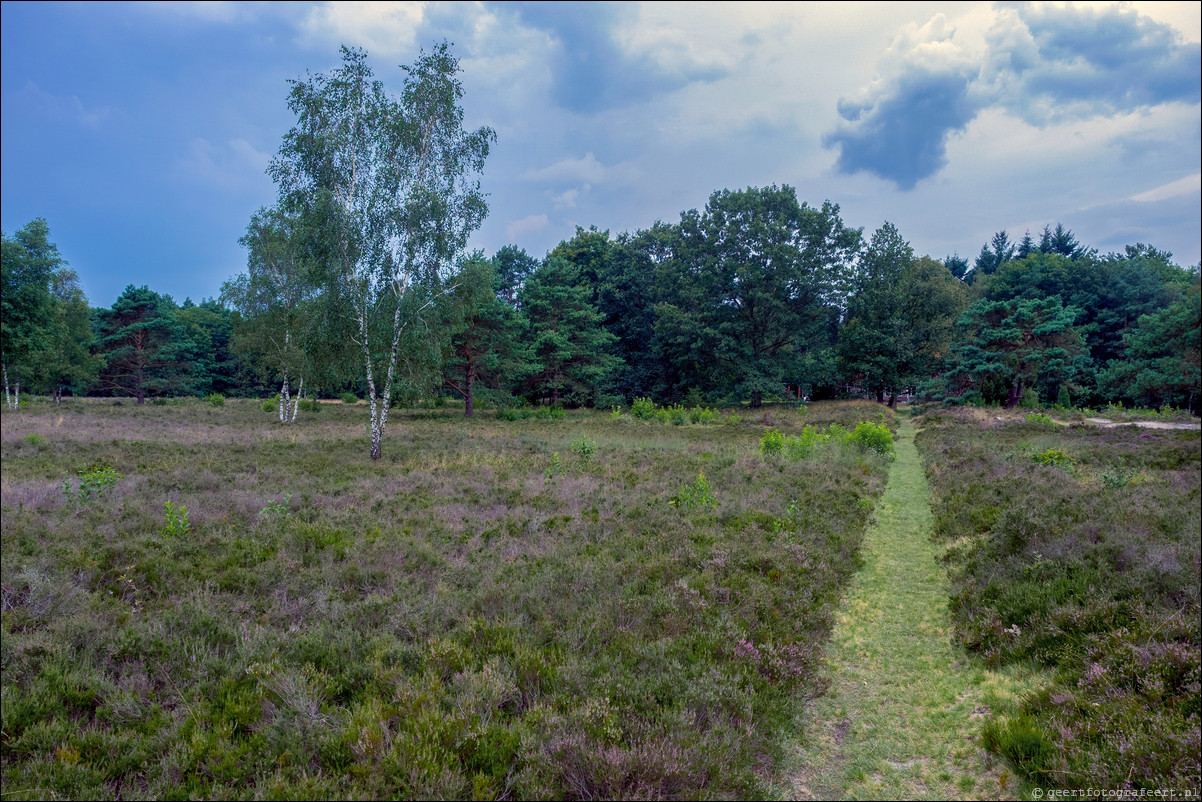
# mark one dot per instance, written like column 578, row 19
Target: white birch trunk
column 284, row 400
column 300, row 389
column 8, row 399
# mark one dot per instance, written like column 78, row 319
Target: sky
column 142, row 132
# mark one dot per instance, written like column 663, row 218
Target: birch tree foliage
column 394, row 183
column 275, row 298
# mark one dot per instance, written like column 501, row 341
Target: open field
column 1076, row 549
column 221, row 606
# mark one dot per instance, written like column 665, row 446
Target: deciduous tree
column 393, row 180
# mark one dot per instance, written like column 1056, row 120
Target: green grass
column 903, row 714
column 259, row 610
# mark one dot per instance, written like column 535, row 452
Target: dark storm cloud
column 902, row 136
column 590, row 70
column 1102, row 61
column 1044, row 64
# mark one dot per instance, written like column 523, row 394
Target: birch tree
column 394, row 182
column 271, row 298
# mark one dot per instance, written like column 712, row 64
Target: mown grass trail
column 903, row 714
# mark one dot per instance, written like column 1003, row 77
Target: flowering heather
column 1098, row 577
column 443, row 622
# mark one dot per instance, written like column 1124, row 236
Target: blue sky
column 141, row 132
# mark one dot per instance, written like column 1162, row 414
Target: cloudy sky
column 141, row 132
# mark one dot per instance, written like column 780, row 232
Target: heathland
column 199, row 602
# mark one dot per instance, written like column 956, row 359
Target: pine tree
column 569, row 342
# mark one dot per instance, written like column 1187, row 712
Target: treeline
column 757, row 297
column 356, row 281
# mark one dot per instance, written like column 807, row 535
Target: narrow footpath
column 904, row 710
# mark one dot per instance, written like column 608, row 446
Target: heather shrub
column 441, row 623
column 1102, row 588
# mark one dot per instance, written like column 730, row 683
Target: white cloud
column 385, row 29
column 1191, row 184
column 567, row 200
column 585, row 170
column 64, row 108
column 527, row 225
column 235, row 166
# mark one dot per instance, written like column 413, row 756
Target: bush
column 698, row 494
column 554, row 412
column 176, row 521
column 802, row 445
column 642, row 408
column 872, row 437
column 511, row 413
column 678, row 414
column 349, row 398
column 585, row 447
column 93, row 483
column 215, row 399
column 1054, row 457
column 309, row 405
column 270, row 404
column 701, row 415
column 1039, row 417
column 772, row 443
column 1030, row 399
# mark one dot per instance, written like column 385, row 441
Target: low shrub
column 176, row 522
column 1039, row 417
column 349, row 398
column 872, row 437
column 92, row 484
column 772, row 444
column 698, row 494
column 1054, row 457
column 215, row 400
column 642, row 408
column 584, row 447
column 1101, row 588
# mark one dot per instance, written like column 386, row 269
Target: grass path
column 903, row 714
